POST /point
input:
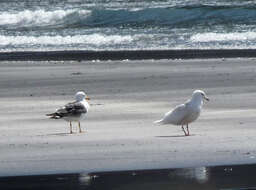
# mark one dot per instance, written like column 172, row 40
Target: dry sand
column 126, row 97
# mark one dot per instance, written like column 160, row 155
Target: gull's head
column 199, row 94
column 80, row 96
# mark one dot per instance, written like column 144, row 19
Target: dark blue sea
column 47, row 25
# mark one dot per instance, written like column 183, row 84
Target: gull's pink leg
column 70, row 124
column 183, row 130
column 187, row 130
column 80, row 130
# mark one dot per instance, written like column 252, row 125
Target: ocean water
column 45, row 25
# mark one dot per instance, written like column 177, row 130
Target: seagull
column 186, row 113
column 74, row 111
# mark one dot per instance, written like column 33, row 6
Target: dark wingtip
column 54, row 115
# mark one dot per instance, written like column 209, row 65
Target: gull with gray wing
column 74, row 111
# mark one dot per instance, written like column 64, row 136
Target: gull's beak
column 206, row 98
column 87, row 98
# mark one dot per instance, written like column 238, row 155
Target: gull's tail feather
column 159, row 121
column 54, row 115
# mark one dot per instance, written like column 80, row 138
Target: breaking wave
column 221, row 37
column 96, row 17
column 94, row 39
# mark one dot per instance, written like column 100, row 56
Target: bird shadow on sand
column 59, row 134
column 172, row 136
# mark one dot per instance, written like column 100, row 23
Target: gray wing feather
column 72, row 109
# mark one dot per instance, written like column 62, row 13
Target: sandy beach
column 126, row 97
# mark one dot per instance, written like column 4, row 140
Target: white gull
column 186, row 113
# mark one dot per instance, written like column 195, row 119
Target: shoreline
column 79, row 55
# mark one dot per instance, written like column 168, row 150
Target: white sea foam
column 93, row 39
column 37, row 17
column 218, row 37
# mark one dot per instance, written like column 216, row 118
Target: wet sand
column 80, row 55
column 126, row 97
